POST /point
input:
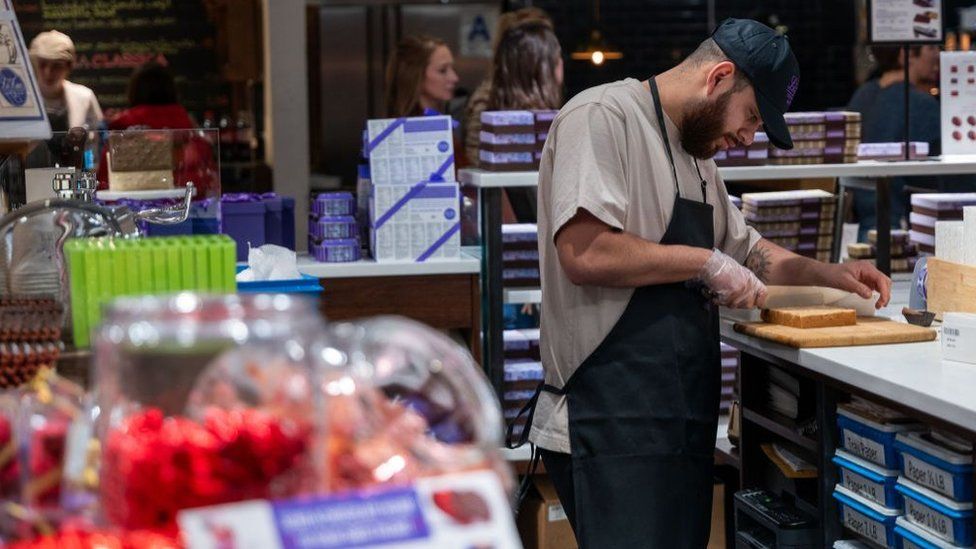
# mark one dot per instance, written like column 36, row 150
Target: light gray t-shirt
column 605, row 154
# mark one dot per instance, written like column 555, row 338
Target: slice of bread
column 810, row 317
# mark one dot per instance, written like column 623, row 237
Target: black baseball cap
column 767, row 60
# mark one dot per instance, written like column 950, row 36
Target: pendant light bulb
column 597, row 57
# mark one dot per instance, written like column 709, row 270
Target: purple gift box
column 273, row 225
column 336, row 251
column 242, row 218
column 258, row 219
column 288, row 222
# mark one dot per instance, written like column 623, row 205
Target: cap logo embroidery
column 791, row 90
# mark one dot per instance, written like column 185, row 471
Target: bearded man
column 638, row 244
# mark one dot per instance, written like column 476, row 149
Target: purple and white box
column 406, row 151
column 415, row 223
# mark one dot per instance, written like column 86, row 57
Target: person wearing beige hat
column 68, row 104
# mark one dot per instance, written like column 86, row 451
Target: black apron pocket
column 643, row 501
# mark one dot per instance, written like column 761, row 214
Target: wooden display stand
column 950, row 287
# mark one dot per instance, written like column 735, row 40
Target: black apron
column 643, row 407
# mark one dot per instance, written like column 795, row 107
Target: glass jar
column 204, row 400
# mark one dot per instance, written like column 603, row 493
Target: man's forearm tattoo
column 758, row 262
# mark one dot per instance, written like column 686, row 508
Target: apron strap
column 527, row 410
column 651, row 83
column 664, row 131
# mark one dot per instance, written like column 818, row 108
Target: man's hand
column 860, row 277
column 733, row 285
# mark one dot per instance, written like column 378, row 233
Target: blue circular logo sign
column 450, row 214
column 12, row 88
column 443, row 146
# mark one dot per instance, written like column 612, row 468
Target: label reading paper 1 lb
column 865, row 526
column 867, row 488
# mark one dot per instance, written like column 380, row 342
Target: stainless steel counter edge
column 912, row 374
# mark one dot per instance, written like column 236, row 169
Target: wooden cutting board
column 868, row 331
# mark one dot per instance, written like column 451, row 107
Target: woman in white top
column 68, row 104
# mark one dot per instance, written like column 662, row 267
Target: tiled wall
column 656, row 34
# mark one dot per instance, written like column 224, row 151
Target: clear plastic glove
column 732, row 284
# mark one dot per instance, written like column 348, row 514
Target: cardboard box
column 542, row 522
column 415, row 222
column 407, row 151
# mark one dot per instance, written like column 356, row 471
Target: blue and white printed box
column 948, row 520
column 929, row 459
column 406, row 151
column 415, row 222
column 870, row 520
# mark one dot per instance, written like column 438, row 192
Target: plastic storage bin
column 305, row 285
column 865, row 518
column 946, row 519
column 868, row 519
column 910, row 536
column 926, row 462
column 868, row 480
column 868, row 439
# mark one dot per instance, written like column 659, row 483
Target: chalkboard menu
column 114, row 37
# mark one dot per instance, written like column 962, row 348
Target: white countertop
column 468, row 264
column 485, row 179
column 910, row 373
column 949, row 165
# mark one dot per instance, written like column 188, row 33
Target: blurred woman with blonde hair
column 420, row 76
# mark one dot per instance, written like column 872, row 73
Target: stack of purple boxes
column 333, row 233
column 256, row 219
column 523, row 373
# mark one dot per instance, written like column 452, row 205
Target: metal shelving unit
column 493, row 293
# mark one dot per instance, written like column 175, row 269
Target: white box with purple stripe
column 415, row 223
column 406, row 151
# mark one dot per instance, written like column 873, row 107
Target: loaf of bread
column 810, row 317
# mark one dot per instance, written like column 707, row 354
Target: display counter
column 911, row 379
column 442, row 294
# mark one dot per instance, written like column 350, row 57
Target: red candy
column 9, row 469
column 154, row 466
column 83, row 539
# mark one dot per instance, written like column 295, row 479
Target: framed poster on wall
column 905, row 22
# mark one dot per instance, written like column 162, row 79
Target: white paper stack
column 969, row 235
column 949, row 240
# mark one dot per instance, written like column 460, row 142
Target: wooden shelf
column 726, row 454
column 779, row 425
